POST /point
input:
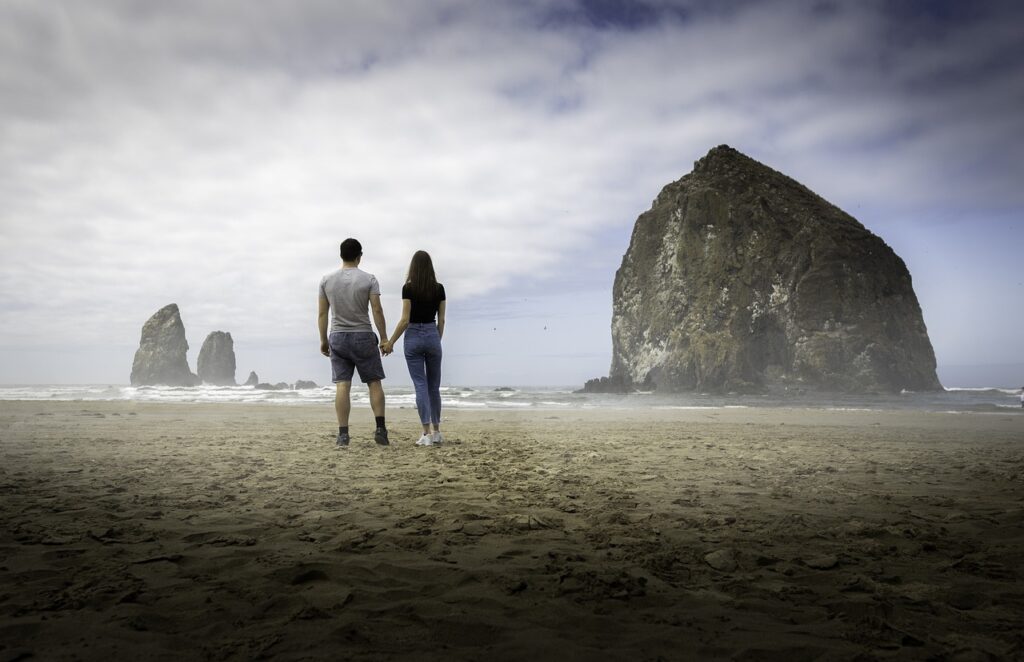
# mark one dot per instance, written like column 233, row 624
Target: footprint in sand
column 218, row 539
column 300, row 574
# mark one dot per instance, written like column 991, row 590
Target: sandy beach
column 237, row 532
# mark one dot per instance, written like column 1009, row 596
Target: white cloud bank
column 215, row 154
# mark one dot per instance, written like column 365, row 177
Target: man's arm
column 321, row 321
column 378, row 319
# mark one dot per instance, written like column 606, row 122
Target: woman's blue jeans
column 423, row 356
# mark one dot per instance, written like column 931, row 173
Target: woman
column 422, row 299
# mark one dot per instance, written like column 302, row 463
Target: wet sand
column 171, row 532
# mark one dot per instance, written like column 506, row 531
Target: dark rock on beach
column 606, row 385
column 161, row 357
column 741, row 279
column 280, row 386
column 216, row 363
column 303, row 384
column 253, row 379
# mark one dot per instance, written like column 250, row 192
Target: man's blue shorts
column 355, row 351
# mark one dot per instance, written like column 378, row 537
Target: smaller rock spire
column 216, row 363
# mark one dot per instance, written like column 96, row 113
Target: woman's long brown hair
column 421, row 279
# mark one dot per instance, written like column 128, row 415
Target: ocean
column 994, row 400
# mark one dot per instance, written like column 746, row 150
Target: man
column 351, row 346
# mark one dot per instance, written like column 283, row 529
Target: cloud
column 214, row 154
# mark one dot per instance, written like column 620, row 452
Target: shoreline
column 527, row 409
column 226, row 531
column 659, row 412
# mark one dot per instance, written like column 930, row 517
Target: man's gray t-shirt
column 348, row 292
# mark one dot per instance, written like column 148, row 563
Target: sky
column 215, row 153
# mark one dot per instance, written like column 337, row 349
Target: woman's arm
column 403, row 323
column 440, row 319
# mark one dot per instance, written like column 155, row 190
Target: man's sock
column 380, row 421
column 342, row 429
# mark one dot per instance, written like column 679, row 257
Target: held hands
column 386, row 347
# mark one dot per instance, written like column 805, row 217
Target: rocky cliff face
column 216, row 363
column 740, row 278
column 160, row 358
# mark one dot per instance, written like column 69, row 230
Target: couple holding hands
column 347, row 297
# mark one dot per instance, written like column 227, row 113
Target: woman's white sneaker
column 437, row 438
column 425, row 440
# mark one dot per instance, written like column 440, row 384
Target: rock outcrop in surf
column 161, row 357
column 216, row 363
column 741, row 279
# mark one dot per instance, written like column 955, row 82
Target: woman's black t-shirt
column 423, row 310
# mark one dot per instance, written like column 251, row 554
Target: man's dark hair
column 351, row 249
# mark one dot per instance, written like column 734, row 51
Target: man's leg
column 376, row 397
column 380, row 435
column 342, row 402
column 341, row 375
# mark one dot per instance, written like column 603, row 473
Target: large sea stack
column 741, row 279
column 216, row 363
column 160, row 358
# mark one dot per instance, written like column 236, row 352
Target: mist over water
column 993, row 399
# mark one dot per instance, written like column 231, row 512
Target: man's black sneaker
column 380, row 435
column 342, row 439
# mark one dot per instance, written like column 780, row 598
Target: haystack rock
column 741, row 279
column 160, row 358
column 216, row 363
column 253, row 379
